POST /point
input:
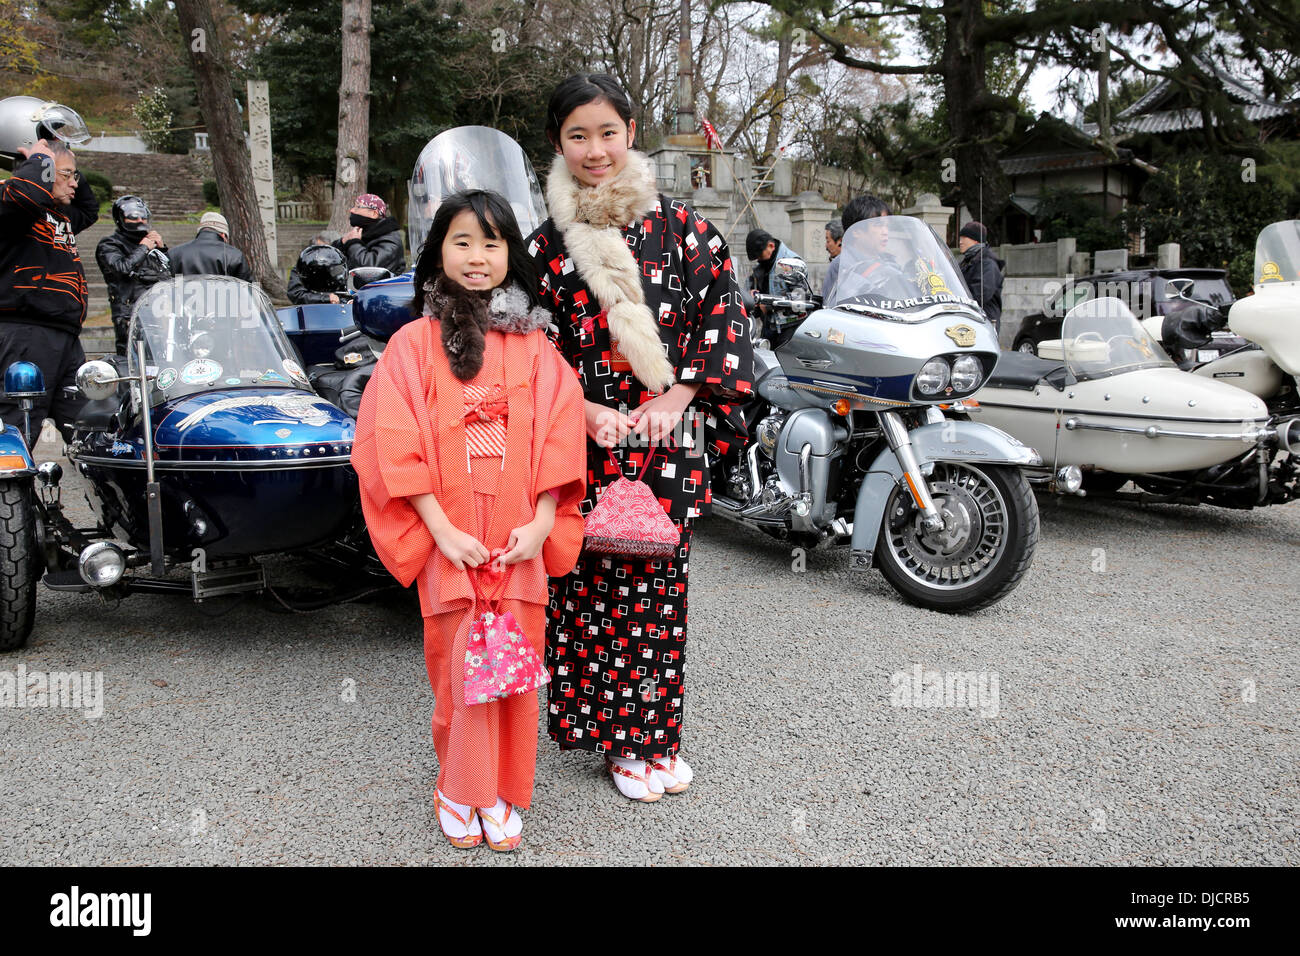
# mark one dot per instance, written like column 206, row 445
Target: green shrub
column 210, row 194
column 100, row 184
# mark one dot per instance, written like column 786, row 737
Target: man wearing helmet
column 319, row 275
column 132, row 258
column 42, row 283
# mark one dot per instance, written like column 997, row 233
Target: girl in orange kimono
column 470, row 449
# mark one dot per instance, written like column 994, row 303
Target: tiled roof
column 1059, row 162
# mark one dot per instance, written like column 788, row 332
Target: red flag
column 711, row 137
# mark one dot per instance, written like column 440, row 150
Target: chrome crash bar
column 1156, row 431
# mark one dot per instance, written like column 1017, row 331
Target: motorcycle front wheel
column 19, row 565
column 986, row 545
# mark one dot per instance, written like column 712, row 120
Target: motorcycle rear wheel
column 19, row 565
column 986, row 547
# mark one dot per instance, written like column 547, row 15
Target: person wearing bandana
column 373, row 237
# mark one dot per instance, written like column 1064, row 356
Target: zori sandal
column 473, row 834
column 497, row 826
column 644, row 786
column 673, row 773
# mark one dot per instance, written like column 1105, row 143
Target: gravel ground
column 1146, row 675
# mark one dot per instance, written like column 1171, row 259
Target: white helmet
column 25, row 119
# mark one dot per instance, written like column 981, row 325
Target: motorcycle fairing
column 876, row 359
column 13, row 447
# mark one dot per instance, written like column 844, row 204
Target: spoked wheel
column 983, row 550
column 20, row 566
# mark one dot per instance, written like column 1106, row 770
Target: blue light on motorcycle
column 933, row 377
column 24, row 380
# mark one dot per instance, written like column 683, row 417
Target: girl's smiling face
column 594, row 141
column 472, row 258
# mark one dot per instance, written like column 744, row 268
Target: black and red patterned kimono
column 616, row 625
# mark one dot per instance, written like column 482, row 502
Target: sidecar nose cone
column 101, row 564
column 24, row 380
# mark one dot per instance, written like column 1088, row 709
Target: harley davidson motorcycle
column 1269, row 365
column 848, row 443
column 1106, row 405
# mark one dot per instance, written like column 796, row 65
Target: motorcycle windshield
column 472, row 157
column 1277, row 254
column 203, row 333
column 898, row 264
column 1102, row 337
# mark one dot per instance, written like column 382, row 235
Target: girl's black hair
column 579, row 90
column 497, row 220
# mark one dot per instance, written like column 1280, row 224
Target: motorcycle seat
column 100, row 416
column 1024, row 371
column 343, row 387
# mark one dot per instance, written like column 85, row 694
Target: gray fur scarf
column 465, row 315
column 591, row 219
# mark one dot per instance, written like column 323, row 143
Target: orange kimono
column 412, row 439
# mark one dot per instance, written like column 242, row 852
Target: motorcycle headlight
column 966, row 373
column 101, row 564
column 933, row 377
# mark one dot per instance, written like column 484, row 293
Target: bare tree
column 230, row 159
column 352, row 157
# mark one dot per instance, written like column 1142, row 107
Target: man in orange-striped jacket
column 42, row 283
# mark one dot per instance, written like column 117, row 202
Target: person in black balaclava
column 374, row 239
column 132, row 258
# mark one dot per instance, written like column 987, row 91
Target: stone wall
column 171, row 184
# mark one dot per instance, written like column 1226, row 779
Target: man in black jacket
column 981, row 269
column 42, row 283
column 132, row 258
column 210, row 252
column 375, row 238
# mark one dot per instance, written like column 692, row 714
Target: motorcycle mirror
column 97, row 380
column 1182, row 287
column 793, row 264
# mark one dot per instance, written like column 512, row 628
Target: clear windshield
column 897, row 263
column 1277, row 253
column 211, row 332
column 1102, row 337
column 473, row 157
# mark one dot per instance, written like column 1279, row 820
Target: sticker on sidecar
column 166, row 379
column 288, row 409
column 295, row 371
column 200, row 372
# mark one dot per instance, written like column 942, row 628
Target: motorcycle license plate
column 1206, row 355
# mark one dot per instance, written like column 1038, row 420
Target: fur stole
column 591, row 218
column 466, row 314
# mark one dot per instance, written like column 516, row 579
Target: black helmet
column 131, row 207
column 323, row 269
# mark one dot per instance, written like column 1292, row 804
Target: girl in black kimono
column 648, row 312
